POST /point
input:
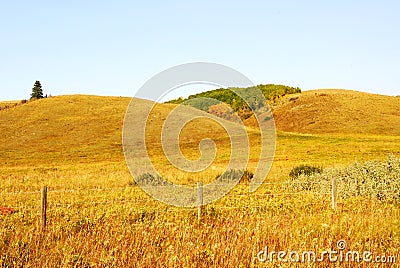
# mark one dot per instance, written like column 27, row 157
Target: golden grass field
column 97, row 218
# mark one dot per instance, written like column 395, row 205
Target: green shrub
column 151, row 179
column 304, row 170
column 233, row 174
column 379, row 180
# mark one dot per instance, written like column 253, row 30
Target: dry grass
column 8, row 104
column 339, row 111
column 74, row 143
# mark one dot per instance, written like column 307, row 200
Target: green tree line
column 241, row 100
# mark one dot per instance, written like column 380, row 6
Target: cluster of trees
column 242, row 100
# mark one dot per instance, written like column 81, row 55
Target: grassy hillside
column 84, row 129
column 338, row 111
column 98, row 218
column 8, row 104
column 66, row 128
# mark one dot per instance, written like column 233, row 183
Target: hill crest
column 338, row 111
column 81, row 126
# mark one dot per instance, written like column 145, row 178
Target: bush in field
column 304, row 170
column 373, row 179
column 231, row 175
column 148, row 178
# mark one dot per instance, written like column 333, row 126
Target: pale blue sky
column 113, row 47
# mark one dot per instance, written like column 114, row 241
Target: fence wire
column 58, row 204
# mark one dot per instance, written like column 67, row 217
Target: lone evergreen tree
column 37, row 91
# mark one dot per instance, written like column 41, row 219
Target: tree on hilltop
column 37, row 91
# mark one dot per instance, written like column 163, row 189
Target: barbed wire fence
column 46, row 203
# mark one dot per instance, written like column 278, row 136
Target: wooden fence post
column 199, row 198
column 44, row 208
column 334, row 193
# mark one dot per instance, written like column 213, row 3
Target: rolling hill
column 62, row 128
column 82, row 128
column 338, row 111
